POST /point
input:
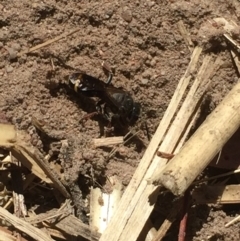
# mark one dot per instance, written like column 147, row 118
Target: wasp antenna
column 109, row 78
column 108, row 69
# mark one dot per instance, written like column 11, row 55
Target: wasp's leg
column 108, row 116
column 97, row 112
column 88, row 116
column 99, row 106
column 107, row 113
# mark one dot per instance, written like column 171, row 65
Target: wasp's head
column 74, row 80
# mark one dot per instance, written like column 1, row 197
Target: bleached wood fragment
column 108, row 141
column 103, row 205
column 8, row 135
column 6, row 235
column 75, row 228
column 200, row 149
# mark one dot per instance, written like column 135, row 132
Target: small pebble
column 149, row 56
column 35, row 5
column 30, row 63
column 1, row 44
column 12, row 53
column 127, row 15
column 153, row 62
column 144, row 81
column 34, row 107
column 16, row 46
column 163, row 72
column 122, row 151
column 9, row 69
column 150, row 3
column 146, row 73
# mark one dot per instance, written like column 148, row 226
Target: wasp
column 114, row 102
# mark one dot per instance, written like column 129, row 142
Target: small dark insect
column 116, row 102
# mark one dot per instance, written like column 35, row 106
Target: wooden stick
column 74, row 227
column 168, row 221
column 185, row 35
column 58, row 234
column 237, row 219
column 133, row 195
column 22, row 225
column 236, row 59
column 103, row 205
column 8, row 135
column 148, row 232
column 108, row 141
column 219, row 194
column 42, row 217
column 206, row 142
column 8, row 235
column 12, row 139
column 26, row 155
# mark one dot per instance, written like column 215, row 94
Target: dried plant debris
column 50, row 160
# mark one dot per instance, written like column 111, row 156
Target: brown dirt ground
column 141, row 42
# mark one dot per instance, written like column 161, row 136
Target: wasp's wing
column 115, row 95
column 120, row 100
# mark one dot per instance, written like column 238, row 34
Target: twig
column 219, row 155
column 217, row 176
column 126, row 140
column 17, row 183
column 47, row 42
column 74, row 227
column 237, row 219
column 108, row 141
column 58, row 234
column 46, row 216
column 168, row 221
column 232, row 42
column 7, row 235
column 22, row 152
column 185, row 35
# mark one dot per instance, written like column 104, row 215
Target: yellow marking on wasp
column 76, row 85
